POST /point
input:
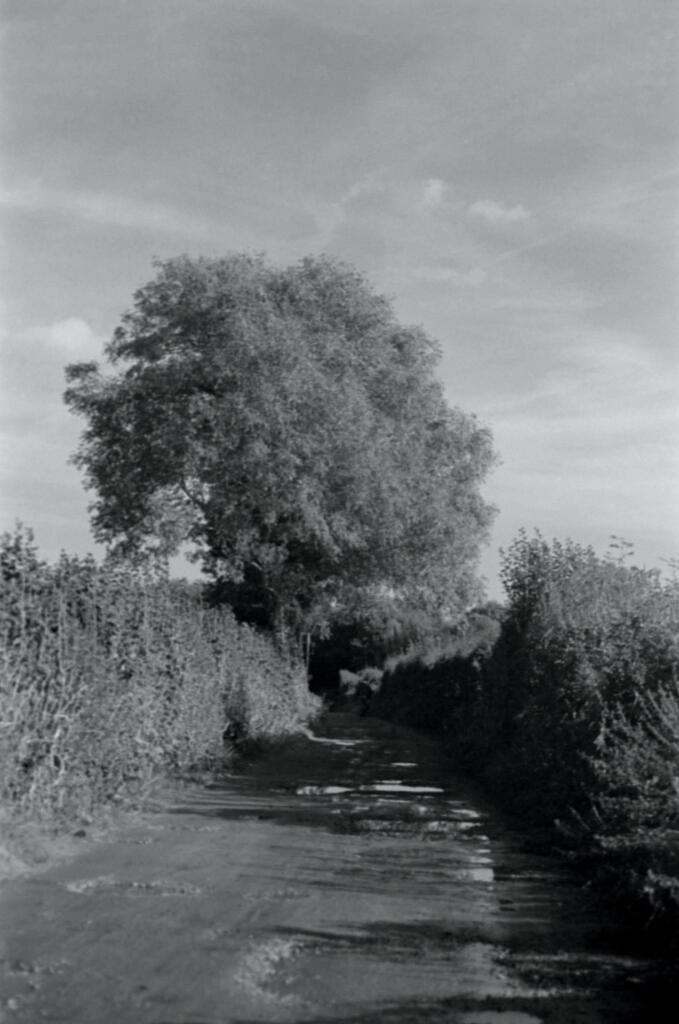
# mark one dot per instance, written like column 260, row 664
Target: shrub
column 585, row 638
column 111, row 675
column 572, row 713
column 431, row 686
column 634, row 824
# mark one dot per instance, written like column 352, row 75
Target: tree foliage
column 286, row 426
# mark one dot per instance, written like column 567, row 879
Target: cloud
column 449, row 275
column 33, row 361
column 590, row 448
column 599, row 433
column 434, row 193
column 368, row 186
column 610, row 378
column 106, row 209
column 495, row 213
column 37, row 432
column 331, row 218
column 394, row 202
column 72, row 336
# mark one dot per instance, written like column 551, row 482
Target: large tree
column 284, row 425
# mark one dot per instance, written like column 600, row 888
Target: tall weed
column 110, row 676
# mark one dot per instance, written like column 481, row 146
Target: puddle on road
column 333, row 742
column 434, row 973
column 474, row 874
column 498, row 1017
column 387, row 961
column 450, row 826
column 322, row 790
column 530, row 953
column 370, row 899
column 399, row 787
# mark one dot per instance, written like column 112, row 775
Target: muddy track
column 344, row 877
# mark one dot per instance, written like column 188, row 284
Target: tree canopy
column 285, row 426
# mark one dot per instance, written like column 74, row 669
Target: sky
column 505, row 170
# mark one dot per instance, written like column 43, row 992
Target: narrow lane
column 341, row 877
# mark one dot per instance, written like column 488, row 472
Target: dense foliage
column 367, row 632
column 572, row 713
column 110, row 676
column 285, row 425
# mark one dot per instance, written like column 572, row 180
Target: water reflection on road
column 345, row 876
column 416, row 901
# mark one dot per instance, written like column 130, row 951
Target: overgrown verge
column 571, row 712
column 113, row 677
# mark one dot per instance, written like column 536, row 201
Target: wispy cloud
column 37, row 432
column 450, row 275
column 591, row 449
column 105, row 209
column 369, row 185
column 73, row 337
column 33, row 361
column 496, row 213
column 598, row 375
column 434, row 192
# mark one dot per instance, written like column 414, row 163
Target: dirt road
column 342, row 878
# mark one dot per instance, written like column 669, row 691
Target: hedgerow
column 572, row 714
column 112, row 676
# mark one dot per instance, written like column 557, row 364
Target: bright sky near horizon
column 506, row 170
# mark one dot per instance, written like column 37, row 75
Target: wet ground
column 341, row 878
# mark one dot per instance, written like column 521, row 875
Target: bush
column 111, row 676
column 430, row 686
column 572, row 714
column 585, row 638
column 634, row 824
